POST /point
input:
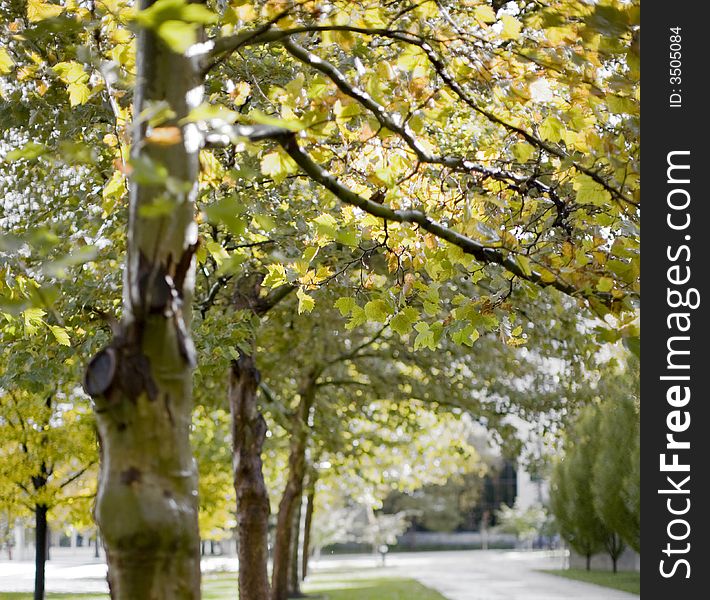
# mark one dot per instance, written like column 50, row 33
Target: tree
column 48, row 455
column 595, row 487
column 142, row 382
column 526, row 523
column 615, row 471
column 571, row 498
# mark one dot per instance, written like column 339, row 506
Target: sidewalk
column 461, row 575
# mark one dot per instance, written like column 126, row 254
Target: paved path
column 499, row 575
column 462, row 575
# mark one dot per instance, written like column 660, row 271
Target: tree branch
column 354, row 352
column 394, row 124
column 484, row 254
column 76, row 475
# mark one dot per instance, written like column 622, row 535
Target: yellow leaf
column 78, row 93
column 60, row 334
column 305, row 302
column 605, row 284
column 37, row 10
column 511, row 27
column 6, row 63
column 486, row 14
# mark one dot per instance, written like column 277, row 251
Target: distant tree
column 571, row 493
column 525, row 523
column 48, row 459
column 615, row 471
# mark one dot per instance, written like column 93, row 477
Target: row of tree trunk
column 249, row 431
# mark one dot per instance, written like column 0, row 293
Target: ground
column 461, row 575
column 625, row 581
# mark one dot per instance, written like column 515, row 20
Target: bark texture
column 146, row 505
column 293, row 492
column 248, row 434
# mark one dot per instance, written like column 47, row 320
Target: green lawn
column 372, row 589
column 222, row 586
column 626, row 581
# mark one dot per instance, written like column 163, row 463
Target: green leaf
column 70, row 72
column 605, row 284
column 29, row 151
column 633, row 344
column 358, row 317
column 260, row 118
column 524, row 264
column 160, row 207
column 310, row 253
column 589, row 191
column 425, row 337
column 377, row 310
column 58, row 268
column 33, row 319
column 485, row 14
column 227, row 212
column 326, row 226
column 113, row 191
column 210, row 112
column 266, row 222
column 345, row 305
column 466, row 336
column 511, row 27
column 147, row 171
column 522, row 151
column 174, row 10
column 37, row 10
column 178, row 35
column 551, row 129
column 79, row 93
column 403, row 321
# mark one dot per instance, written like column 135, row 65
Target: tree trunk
column 293, row 492
column 589, row 562
column 40, row 549
column 614, row 560
column 308, row 523
column 248, row 434
column 294, row 568
column 141, row 383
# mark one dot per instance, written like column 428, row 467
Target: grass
column 626, row 581
column 222, row 586
column 372, row 589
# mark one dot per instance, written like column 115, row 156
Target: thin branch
column 322, row 384
column 76, row 475
column 355, row 351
